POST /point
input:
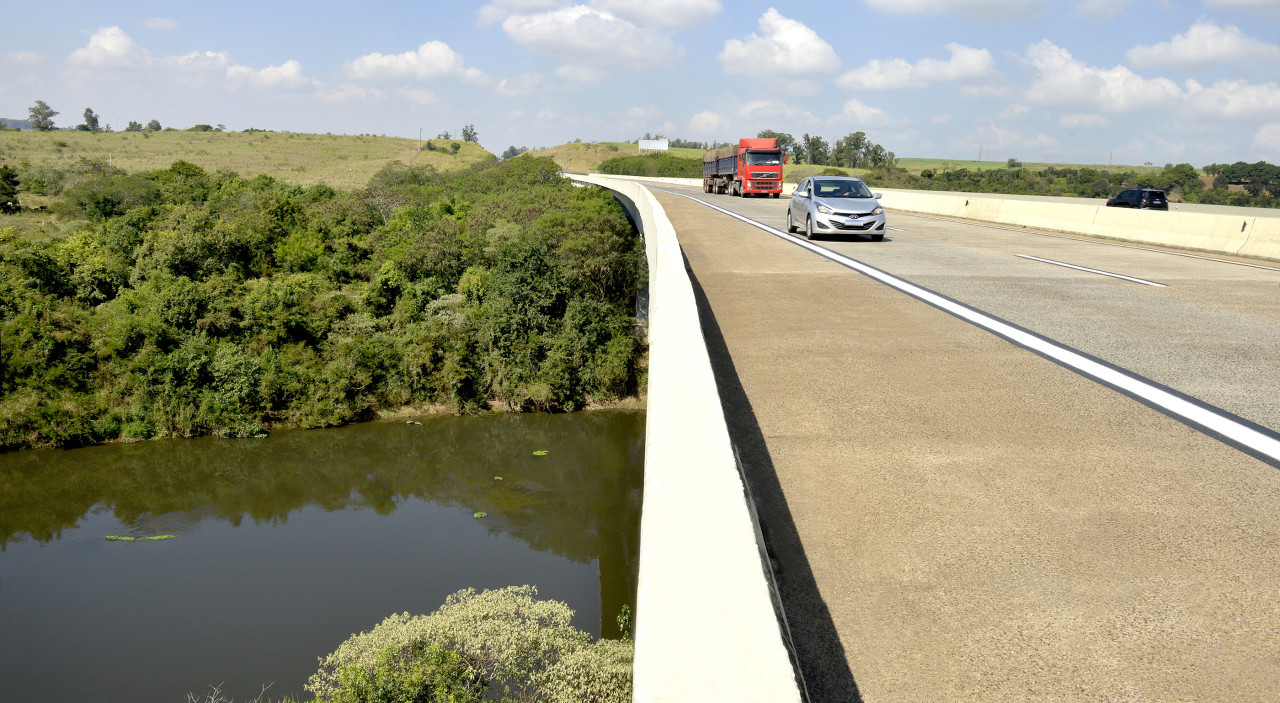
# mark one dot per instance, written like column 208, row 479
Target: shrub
column 503, row 637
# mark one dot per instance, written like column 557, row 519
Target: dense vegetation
column 653, row 165
column 179, row 302
column 1261, row 182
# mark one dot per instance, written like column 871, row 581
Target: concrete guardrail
column 1236, row 231
column 707, row 624
column 1251, row 235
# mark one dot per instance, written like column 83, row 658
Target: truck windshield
column 764, row 158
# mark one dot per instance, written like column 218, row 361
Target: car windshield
column 841, row 189
column 764, row 158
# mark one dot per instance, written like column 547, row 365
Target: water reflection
column 228, row 501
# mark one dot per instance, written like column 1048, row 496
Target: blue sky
column 1076, row 81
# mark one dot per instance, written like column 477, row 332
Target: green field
column 342, row 162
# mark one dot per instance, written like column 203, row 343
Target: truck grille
column 764, row 174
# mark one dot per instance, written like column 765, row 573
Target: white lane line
column 1254, row 439
column 1037, row 233
column 1100, row 273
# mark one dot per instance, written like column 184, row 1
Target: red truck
column 753, row 167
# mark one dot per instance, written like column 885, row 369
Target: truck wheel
column 791, row 224
column 776, row 194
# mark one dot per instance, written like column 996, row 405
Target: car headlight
column 878, row 211
column 824, row 209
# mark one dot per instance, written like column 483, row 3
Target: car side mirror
column 877, row 196
column 802, row 193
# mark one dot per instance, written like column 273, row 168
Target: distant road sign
column 653, row 145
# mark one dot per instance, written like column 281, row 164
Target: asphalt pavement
column 953, row 517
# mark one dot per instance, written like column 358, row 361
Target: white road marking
column 1100, row 273
column 1024, row 230
column 1253, row 439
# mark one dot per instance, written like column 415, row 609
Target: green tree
column 90, row 122
column 786, row 143
column 469, row 134
column 153, row 126
column 134, row 126
column 9, row 191
column 816, row 150
column 42, row 116
column 850, row 151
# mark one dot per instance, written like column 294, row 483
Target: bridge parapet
column 707, row 623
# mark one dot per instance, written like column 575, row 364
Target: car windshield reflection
column 840, row 189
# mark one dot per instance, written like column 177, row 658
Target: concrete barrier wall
column 1226, row 233
column 706, row 625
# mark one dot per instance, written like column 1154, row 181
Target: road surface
column 957, row 517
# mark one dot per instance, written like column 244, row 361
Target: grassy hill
column 586, row 157
column 339, row 161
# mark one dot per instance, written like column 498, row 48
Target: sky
column 1064, row 81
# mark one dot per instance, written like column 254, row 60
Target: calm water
column 287, row 545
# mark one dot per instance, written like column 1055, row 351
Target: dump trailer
column 753, row 167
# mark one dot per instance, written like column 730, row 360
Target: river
column 272, row 551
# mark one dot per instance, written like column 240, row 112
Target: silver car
column 835, row 205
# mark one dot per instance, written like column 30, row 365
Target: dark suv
column 1142, row 198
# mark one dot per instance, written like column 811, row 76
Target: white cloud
column 940, row 119
column 783, row 46
column 431, row 61
column 110, row 46
column 1015, row 112
column 499, row 10
column 669, row 13
column 199, row 61
column 1235, row 100
column 417, row 95
column 966, row 63
column 581, row 74
column 705, row 123
column 581, row 36
column 662, row 13
column 22, row 57
column 286, row 76
column 1205, row 43
column 863, row 113
column 1073, row 121
column 162, row 24
column 1063, row 81
column 773, row 110
column 1268, row 138
column 994, row 9
column 1259, row 6
column 521, row 86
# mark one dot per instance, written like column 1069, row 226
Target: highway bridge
column 979, row 462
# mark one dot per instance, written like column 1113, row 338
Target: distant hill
column 586, row 157
column 339, row 161
column 11, row 123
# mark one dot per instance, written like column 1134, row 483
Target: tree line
column 1261, row 188
column 180, row 302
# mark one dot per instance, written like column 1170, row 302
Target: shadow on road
column 820, row 655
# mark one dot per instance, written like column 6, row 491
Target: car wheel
column 808, row 228
column 791, row 224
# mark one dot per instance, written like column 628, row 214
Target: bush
column 211, row 304
column 502, row 638
column 653, row 166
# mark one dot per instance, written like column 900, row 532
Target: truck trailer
column 753, row 167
